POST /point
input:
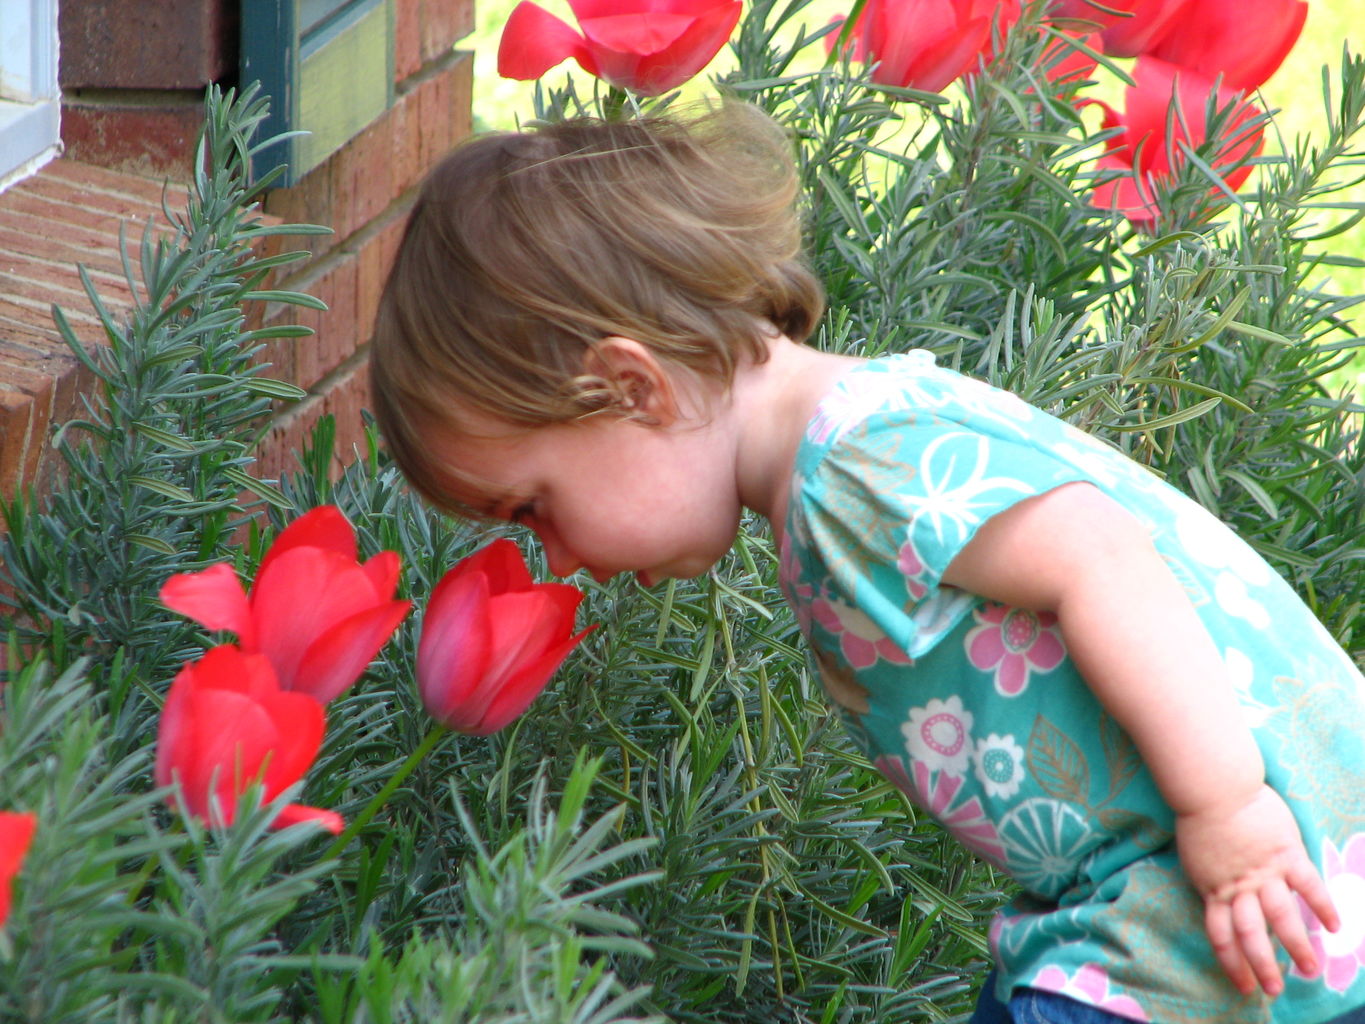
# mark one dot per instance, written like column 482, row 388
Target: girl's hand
column 1246, row 858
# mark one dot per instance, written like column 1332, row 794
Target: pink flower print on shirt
column 939, row 735
column 861, row 641
column 912, row 568
column 1341, row 954
column 1090, row 985
column 935, row 793
column 1014, row 642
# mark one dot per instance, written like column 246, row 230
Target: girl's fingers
column 1223, row 939
column 1281, row 913
column 1249, row 926
column 1305, row 880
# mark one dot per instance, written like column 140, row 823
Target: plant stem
column 372, row 808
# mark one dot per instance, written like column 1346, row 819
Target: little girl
column 595, row 329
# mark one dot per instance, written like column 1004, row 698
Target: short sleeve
column 894, row 500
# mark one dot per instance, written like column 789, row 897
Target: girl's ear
column 646, row 391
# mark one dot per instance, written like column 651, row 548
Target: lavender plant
column 676, row 830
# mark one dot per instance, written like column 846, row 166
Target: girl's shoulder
column 910, row 390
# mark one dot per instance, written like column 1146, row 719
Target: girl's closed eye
column 526, row 510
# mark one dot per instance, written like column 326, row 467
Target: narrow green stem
column 614, row 105
column 372, row 808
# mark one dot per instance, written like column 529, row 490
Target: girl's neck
column 771, row 404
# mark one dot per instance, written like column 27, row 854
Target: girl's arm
column 1139, row 644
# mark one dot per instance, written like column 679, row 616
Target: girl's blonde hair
column 525, row 249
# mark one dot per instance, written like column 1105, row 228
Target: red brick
column 50, row 196
column 156, row 139
column 150, row 192
column 363, row 184
column 27, row 403
column 461, row 109
column 308, row 202
column 375, row 259
column 65, row 244
column 444, row 22
column 36, row 287
column 336, row 337
column 277, row 355
column 407, row 151
column 16, row 426
column 77, row 208
column 343, row 396
column 433, row 103
column 407, row 39
column 132, row 44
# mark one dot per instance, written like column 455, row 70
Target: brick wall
column 133, row 76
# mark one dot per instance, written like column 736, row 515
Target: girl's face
column 609, row 494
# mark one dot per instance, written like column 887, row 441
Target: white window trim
column 30, row 102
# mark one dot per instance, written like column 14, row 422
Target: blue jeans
column 1033, row 1006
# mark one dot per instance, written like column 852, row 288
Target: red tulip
column 1245, row 41
column 491, row 639
column 317, row 613
column 647, row 46
column 1166, row 97
column 919, row 44
column 1128, row 27
column 16, row 832
column 226, row 726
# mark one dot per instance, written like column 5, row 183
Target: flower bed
column 222, row 793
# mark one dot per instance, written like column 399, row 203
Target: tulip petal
column 922, row 44
column 303, row 594
column 297, row 814
column 1241, row 135
column 502, row 563
column 1086, row 15
column 226, row 726
column 214, row 598
column 641, row 35
column 516, row 633
column 491, row 637
column 522, row 627
column 453, row 652
column 694, row 49
column 1214, row 39
column 215, row 748
column 584, row 10
column 16, row 833
column 525, row 624
column 1146, row 106
column 383, row 571
column 1150, row 20
column 526, row 685
column 534, row 40
column 337, row 658
column 941, row 63
column 298, row 722
column 322, row 527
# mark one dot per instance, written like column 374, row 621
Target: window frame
column 30, row 100
column 327, row 66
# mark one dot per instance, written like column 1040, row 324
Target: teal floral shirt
column 975, row 710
